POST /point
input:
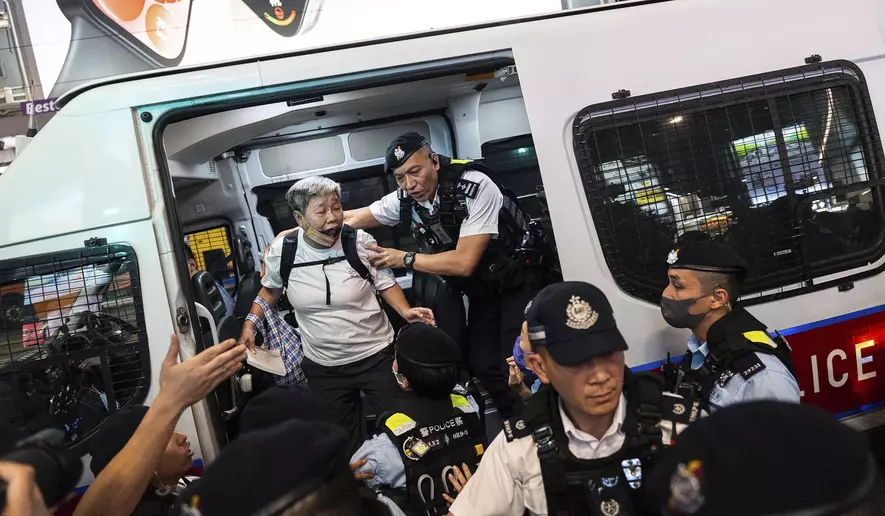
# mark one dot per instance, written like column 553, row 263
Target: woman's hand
column 414, row 315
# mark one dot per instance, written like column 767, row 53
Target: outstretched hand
column 425, row 315
column 188, row 382
column 385, row 258
column 23, row 497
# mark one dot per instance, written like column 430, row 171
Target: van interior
column 231, row 170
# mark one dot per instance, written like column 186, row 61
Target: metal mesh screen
column 784, row 167
column 73, row 346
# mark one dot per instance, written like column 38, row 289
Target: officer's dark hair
column 728, row 282
column 434, row 383
column 188, row 252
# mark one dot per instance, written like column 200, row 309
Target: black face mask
column 675, row 312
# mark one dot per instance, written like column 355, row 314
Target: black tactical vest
column 429, row 449
column 733, row 342
column 520, row 244
column 609, row 486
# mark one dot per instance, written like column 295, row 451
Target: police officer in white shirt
column 474, row 234
column 346, row 336
column 584, row 442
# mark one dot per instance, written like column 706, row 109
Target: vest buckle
column 543, row 437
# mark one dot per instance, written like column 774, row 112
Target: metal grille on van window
column 786, row 168
column 73, row 345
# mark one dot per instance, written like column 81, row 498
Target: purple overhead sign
column 39, row 107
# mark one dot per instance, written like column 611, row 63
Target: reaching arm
column 120, row 486
column 361, row 218
column 460, row 262
column 247, row 334
column 395, row 297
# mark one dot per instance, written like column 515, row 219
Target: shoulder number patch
column 468, row 188
column 748, row 365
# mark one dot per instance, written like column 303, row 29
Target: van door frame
column 152, row 120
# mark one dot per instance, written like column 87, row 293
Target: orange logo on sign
column 279, row 17
column 126, row 10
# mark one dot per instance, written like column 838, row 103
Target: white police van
column 755, row 122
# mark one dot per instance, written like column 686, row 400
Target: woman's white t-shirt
column 353, row 326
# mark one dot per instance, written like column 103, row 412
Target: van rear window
column 784, row 167
column 73, row 345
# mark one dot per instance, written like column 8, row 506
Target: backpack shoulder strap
column 348, row 243
column 287, row 261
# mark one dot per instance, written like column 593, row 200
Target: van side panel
column 158, row 318
column 668, row 52
column 82, row 172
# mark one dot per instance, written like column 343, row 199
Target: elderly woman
column 346, row 336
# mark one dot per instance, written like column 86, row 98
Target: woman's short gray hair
column 299, row 195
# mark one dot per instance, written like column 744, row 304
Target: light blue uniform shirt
column 772, row 383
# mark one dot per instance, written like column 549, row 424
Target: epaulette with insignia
column 516, row 428
column 748, row 365
column 468, row 188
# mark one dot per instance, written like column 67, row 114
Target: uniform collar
column 576, row 434
column 699, row 351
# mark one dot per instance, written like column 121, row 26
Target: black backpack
column 348, row 244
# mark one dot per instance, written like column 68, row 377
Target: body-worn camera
column 56, row 472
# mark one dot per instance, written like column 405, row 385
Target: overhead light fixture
column 676, row 119
column 522, row 150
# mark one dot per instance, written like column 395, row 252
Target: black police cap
column 707, row 257
column 113, row 435
column 426, row 346
column 574, row 321
column 401, row 149
column 764, row 457
column 274, row 467
column 280, row 404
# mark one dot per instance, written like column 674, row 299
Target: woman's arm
column 247, row 334
column 396, row 298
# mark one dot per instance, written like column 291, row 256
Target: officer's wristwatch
column 409, row 260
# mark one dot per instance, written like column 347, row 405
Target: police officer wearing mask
column 473, row 235
column 731, row 357
column 584, row 444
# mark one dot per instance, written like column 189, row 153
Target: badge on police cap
column 673, row 257
column 580, row 315
column 610, row 508
column 399, row 153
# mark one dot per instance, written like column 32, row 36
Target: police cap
column 426, row 346
column 401, row 149
column 284, row 403
column 267, row 469
column 764, row 457
column 574, row 321
column 707, row 257
column 113, row 435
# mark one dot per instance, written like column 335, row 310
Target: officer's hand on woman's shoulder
column 459, row 480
